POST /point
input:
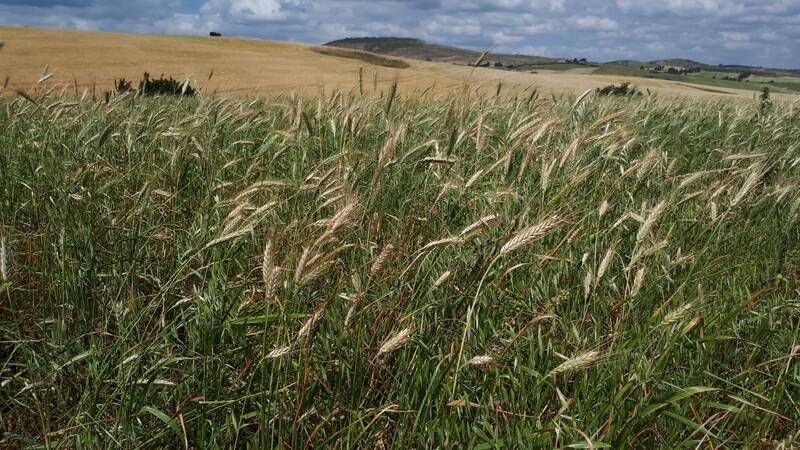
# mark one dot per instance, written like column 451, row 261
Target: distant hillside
column 627, row 63
column 680, row 62
column 426, row 51
column 405, row 48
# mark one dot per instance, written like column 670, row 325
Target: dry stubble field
column 249, row 66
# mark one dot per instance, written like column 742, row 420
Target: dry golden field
column 250, row 66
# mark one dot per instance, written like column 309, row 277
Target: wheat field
column 82, row 60
column 399, row 271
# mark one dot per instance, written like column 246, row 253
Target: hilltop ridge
column 672, row 69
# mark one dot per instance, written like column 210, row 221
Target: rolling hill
column 680, row 70
column 426, row 51
column 81, row 61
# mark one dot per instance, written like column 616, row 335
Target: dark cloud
column 716, row 31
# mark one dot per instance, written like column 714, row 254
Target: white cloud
column 735, row 36
column 769, row 36
column 247, row 10
column 500, row 38
column 593, row 23
column 759, row 32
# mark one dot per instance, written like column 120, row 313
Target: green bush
column 156, row 87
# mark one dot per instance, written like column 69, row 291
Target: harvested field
column 256, row 67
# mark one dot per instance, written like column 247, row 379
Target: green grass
column 785, row 85
column 753, row 83
column 249, row 274
column 777, row 79
column 627, row 71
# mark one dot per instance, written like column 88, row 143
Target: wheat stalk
column 587, row 284
column 578, row 362
column 395, row 342
column 604, row 263
column 478, row 227
column 229, row 236
column 442, row 279
column 5, row 259
column 651, row 220
column 380, row 260
column 441, row 243
column 530, row 235
column 756, row 172
column 677, row 315
column 267, row 264
column 305, row 330
column 638, row 279
column 602, row 210
column 484, row 360
column 279, row 352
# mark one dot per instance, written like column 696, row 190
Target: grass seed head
column 279, row 352
column 650, row 221
column 578, row 362
column 530, row 235
column 441, row 243
column 603, row 209
column 267, row 263
column 442, row 279
column 380, row 260
column 676, row 315
column 604, row 263
column 5, row 259
column 638, row 280
column 481, row 361
column 310, row 323
column 478, row 227
column 395, row 342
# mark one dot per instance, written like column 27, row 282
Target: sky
column 753, row 32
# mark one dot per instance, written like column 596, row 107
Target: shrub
column 625, row 89
column 765, row 103
column 153, row 87
column 164, row 86
column 122, row 86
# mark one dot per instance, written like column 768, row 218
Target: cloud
column 256, row 11
column 48, row 3
column 592, row 23
column 754, row 32
column 735, row 36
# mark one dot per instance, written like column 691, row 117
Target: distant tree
column 214, row 34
